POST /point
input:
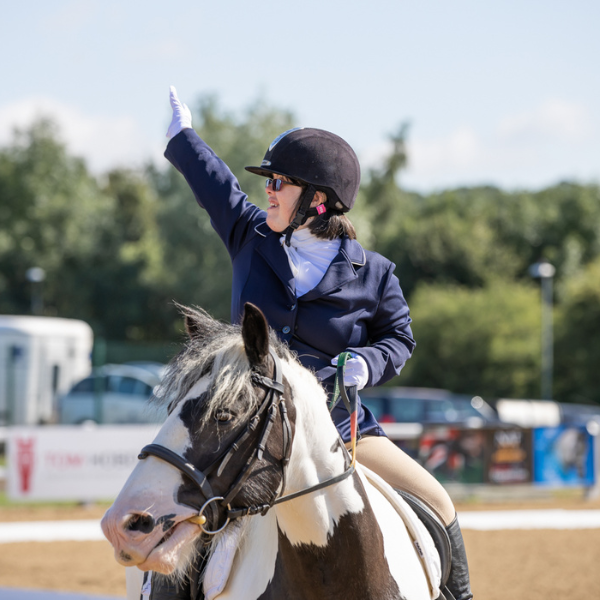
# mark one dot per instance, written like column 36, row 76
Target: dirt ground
column 520, row 565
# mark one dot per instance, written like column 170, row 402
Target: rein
column 350, row 398
column 272, row 403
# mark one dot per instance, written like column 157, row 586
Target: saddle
column 436, row 530
column 420, row 520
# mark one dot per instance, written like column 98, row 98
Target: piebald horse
column 249, row 478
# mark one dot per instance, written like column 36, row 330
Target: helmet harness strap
column 304, row 212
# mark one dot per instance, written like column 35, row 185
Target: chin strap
column 304, row 212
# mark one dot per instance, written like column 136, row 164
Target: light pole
column 36, row 276
column 545, row 272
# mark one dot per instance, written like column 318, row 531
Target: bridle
column 272, row 404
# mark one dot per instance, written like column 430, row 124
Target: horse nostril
column 143, row 523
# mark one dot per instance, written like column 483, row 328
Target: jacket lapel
column 270, row 249
column 341, row 270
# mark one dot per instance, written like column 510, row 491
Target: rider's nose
column 141, row 523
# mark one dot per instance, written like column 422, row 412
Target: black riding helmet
column 319, row 160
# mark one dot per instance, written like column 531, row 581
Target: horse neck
column 317, row 455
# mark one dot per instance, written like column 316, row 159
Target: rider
column 323, row 294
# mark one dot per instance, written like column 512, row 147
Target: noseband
column 273, row 403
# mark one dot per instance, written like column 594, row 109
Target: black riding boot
column 458, row 581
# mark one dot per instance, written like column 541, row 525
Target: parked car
column 114, row 394
column 427, row 406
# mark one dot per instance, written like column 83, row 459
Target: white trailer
column 40, row 359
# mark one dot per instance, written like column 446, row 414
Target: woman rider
column 323, row 294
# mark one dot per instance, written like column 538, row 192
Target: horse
column 249, row 487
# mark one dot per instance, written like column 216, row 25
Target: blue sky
column 502, row 93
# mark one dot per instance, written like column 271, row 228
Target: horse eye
column 223, row 416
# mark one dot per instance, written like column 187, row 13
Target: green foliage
column 577, row 337
column 96, row 243
column 53, row 215
column 482, row 341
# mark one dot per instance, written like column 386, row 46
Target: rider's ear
column 255, row 333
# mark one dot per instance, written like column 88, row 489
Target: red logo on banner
column 25, row 460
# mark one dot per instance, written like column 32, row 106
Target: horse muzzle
column 140, row 539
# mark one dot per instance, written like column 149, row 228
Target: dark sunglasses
column 277, row 183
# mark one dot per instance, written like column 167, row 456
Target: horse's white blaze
column 154, row 477
column 150, row 489
column 312, row 519
column 152, row 482
column 403, row 560
column 254, row 563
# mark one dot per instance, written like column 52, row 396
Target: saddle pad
column 221, row 560
column 421, row 538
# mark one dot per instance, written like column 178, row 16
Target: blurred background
column 477, row 126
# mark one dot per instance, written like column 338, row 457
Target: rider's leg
column 382, row 456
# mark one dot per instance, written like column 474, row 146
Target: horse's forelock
column 220, row 356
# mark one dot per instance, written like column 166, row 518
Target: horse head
column 222, row 451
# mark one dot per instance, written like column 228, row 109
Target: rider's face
column 282, row 205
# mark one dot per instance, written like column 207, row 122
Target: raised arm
column 214, row 186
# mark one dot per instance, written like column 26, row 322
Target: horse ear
column 255, row 333
column 191, row 327
column 198, row 323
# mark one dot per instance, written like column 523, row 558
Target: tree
column 52, row 212
column 577, row 340
column 560, row 224
column 97, row 243
column 482, row 341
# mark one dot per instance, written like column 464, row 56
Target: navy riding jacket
column 357, row 306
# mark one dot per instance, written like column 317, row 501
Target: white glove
column 182, row 117
column 356, row 372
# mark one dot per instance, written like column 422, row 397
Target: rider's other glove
column 182, row 117
column 356, row 372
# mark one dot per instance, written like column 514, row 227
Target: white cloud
column 553, row 120
column 459, row 150
column 556, row 141
column 105, row 142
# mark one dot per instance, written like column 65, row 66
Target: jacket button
column 286, row 329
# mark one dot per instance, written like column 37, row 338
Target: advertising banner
column 510, row 458
column 454, row 455
column 563, row 456
column 84, row 463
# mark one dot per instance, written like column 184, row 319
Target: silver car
column 114, row 394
